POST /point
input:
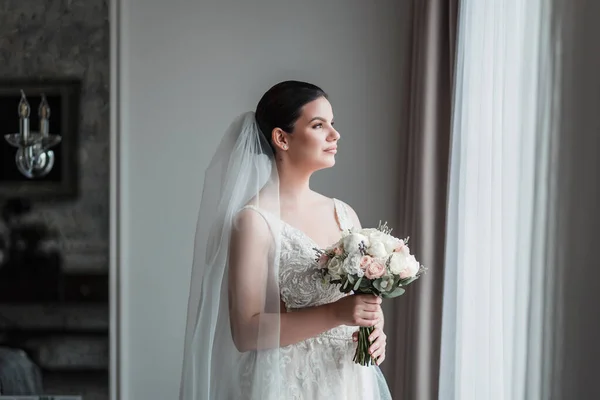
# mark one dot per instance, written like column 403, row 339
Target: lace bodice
column 300, row 282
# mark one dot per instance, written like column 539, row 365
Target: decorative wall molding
column 55, row 39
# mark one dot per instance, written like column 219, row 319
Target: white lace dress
column 320, row 367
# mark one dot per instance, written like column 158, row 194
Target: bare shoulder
column 252, row 225
column 251, row 217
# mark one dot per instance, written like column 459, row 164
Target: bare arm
column 252, row 296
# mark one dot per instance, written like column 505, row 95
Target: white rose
column 352, row 265
column 388, row 241
column 405, row 250
column 377, row 250
column 405, row 267
column 369, row 231
column 375, row 235
column 413, row 266
column 353, row 240
column 391, row 243
column 398, row 263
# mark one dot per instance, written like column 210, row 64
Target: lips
column 332, row 149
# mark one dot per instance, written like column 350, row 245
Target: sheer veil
column 241, row 172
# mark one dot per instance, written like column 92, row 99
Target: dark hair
column 281, row 106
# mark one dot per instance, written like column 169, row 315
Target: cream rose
column 335, row 268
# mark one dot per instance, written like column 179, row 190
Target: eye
column 317, row 126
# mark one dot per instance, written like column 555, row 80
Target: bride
column 261, row 322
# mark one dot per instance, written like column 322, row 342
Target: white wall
column 186, row 69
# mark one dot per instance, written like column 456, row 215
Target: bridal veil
column 215, row 366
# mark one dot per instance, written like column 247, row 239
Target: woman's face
column 313, row 143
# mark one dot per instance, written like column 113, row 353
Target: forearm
column 306, row 323
column 267, row 331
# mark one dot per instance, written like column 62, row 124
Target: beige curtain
column 575, row 213
column 414, row 321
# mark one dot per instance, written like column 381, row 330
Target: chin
column 328, row 163
column 318, row 163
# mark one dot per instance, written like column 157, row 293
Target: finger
column 376, row 334
column 367, row 323
column 360, row 315
column 364, row 311
column 371, row 299
column 372, row 308
column 377, row 353
column 380, row 322
column 369, row 315
column 374, row 348
column 355, row 337
column 378, row 343
column 377, row 349
column 380, row 359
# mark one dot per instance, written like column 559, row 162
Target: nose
column 334, row 135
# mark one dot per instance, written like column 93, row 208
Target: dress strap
column 343, row 217
column 267, row 216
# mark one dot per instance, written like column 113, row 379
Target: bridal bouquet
column 369, row 261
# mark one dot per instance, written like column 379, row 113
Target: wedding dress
column 320, row 367
column 242, row 172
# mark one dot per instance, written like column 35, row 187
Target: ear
column 280, row 139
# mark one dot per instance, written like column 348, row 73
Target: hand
column 358, row 310
column 378, row 341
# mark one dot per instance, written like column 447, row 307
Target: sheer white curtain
column 495, row 286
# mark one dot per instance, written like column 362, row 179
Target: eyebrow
column 318, row 118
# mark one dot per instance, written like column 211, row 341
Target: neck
column 294, row 184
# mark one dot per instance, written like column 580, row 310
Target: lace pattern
column 320, row 367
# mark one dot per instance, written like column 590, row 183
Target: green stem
column 362, row 356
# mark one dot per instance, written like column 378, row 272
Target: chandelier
column 34, row 159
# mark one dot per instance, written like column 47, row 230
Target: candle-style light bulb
column 44, row 114
column 24, row 111
column 34, row 159
column 24, row 108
